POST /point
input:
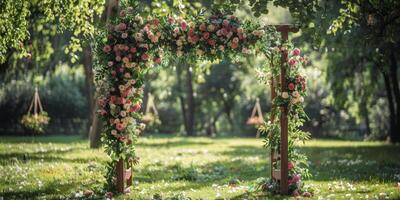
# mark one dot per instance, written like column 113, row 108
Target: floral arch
column 133, row 45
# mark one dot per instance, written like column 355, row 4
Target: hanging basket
column 256, row 117
column 35, row 120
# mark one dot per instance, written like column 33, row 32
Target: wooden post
column 273, row 95
column 120, row 176
column 284, row 186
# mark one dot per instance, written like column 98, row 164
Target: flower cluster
column 36, row 122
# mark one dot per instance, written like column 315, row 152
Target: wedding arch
column 132, row 45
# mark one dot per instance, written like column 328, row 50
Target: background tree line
column 354, row 90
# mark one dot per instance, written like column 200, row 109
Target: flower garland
column 292, row 97
column 132, row 45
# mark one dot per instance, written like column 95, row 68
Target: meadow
column 63, row 167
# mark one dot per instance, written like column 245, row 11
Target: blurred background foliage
column 346, row 78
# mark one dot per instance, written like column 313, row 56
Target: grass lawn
column 61, row 167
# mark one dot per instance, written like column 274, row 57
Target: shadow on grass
column 169, row 144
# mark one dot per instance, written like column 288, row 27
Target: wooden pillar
column 273, row 95
column 284, row 186
column 120, row 176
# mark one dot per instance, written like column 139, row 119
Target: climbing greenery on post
column 132, row 45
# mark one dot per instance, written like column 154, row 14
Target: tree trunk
column 190, row 100
column 392, row 114
column 96, row 124
column 181, row 98
column 395, row 135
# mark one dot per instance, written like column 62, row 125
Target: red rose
column 291, row 86
column 206, row 35
column 191, row 32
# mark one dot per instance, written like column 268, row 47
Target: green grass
column 59, row 167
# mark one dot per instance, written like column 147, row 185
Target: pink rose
column 225, row 22
column 121, row 26
column 145, row 57
column 113, row 99
column 224, row 31
column 206, row 35
column 183, row 25
column 203, row 27
column 211, row 42
column 113, row 73
column 120, row 127
column 133, row 50
column 292, row 61
column 295, row 179
column 156, row 21
column 291, row 86
column 307, row 194
column 296, row 52
column 234, row 45
column 191, row 32
column 122, row 13
column 176, row 30
column 107, row 48
column 135, row 108
column 157, row 60
column 118, row 58
column 110, row 63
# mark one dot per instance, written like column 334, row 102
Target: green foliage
column 19, row 18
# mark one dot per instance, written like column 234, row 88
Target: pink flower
column 183, row 25
column 113, row 99
column 234, row 45
column 135, row 108
column 191, row 32
column 291, row 86
column 292, row 61
column 118, row 58
column 122, row 13
column 124, row 35
column 203, row 27
column 240, row 30
column 296, row 52
column 120, row 127
column 295, row 179
column 295, row 193
column 107, row 48
column 176, row 30
column 224, row 31
column 206, row 35
column 113, row 73
column 145, row 57
column 157, row 60
column 110, row 63
column 307, row 194
column 121, row 26
column 211, row 42
column 225, row 22
column 156, row 21
column 133, row 50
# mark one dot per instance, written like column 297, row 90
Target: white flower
column 123, row 113
column 301, row 99
column 296, row 94
column 285, row 95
